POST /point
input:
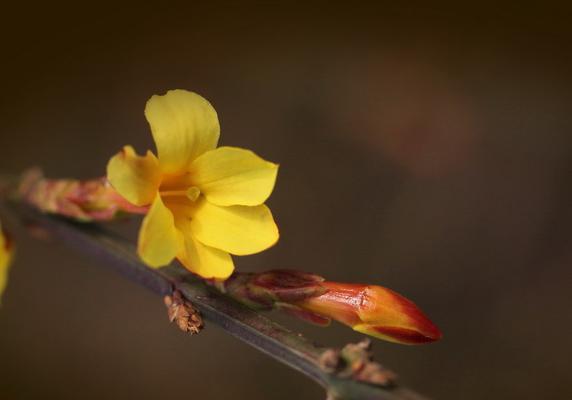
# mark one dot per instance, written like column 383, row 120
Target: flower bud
column 89, row 200
column 369, row 309
column 375, row 311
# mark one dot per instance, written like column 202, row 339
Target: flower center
column 191, row 193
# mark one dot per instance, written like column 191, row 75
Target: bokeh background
column 427, row 149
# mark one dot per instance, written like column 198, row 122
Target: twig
column 251, row 327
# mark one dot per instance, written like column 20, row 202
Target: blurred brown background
column 425, row 149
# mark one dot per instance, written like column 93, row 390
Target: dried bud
column 181, row 311
column 81, row 200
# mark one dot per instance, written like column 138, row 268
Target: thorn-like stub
column 182, row 312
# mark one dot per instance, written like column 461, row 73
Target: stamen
column 191, row 193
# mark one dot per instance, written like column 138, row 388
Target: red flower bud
column 89, row 200
column 369, row 309
column 375, row 311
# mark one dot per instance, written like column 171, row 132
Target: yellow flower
column 205, row 202
column 6, row 252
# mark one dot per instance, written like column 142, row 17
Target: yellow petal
column 134, row 177
column 159, row 240
column 232, row 176
column 205, row 261
column 184, row 126
column 238, row 230
column 6, row 252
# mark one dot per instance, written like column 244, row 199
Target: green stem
column 247, row 325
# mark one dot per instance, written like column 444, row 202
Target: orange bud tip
column 402, row 335
column 396, row 319
column 375, row 311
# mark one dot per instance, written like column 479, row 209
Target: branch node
column 355, row 361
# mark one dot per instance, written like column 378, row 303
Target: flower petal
column 159, row 239
column 205, row 261
column 184, row 126
column 134, row 177
column 232, row 176
column 240, row 230
column 6, row 253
